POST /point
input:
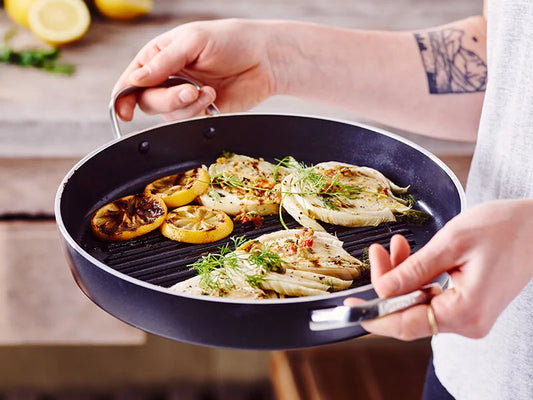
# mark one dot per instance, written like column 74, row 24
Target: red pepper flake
column 291, row 248
column 306, row 238
column 250, row 216
column 306, row 243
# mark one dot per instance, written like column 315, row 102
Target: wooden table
column 368, row 368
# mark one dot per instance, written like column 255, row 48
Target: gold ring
column 432, row 320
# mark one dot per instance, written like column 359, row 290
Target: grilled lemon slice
column 129, row 217
column 180, row 189
column 196, row 224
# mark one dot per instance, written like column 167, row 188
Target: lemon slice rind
column 180, row 189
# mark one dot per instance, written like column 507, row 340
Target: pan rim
column 341, row 294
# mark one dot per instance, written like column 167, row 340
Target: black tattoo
column 450, row 67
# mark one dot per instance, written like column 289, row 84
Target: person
column 468, row 80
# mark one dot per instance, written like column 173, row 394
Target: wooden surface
column 370, row 368
column 39, row 301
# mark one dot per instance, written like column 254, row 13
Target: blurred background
column 55, row 343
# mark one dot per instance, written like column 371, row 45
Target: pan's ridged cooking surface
column 160, row 261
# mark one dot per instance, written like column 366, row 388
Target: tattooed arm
column 430, row 82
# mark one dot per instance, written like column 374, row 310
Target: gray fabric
column 500, row 365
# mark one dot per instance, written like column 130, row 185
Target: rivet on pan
column 209, row 132
column 144, row 147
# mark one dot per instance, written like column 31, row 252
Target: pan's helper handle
column 343, row 316
column 171, row 81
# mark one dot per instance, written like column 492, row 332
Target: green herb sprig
column 205, row 265
column 212, row 268
column 414, row 216
column 331, row 191
column 267, row 260
column 45, row 59
column 314, row 183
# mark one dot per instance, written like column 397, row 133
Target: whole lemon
column 17, row 10
column 124, row 10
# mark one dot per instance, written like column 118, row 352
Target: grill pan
column 129, row 279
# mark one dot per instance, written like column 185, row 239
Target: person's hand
column 228, row 57
column 487, row 250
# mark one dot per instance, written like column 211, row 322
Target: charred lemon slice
column 180, row 189
column 129, row 217
column 196, row 224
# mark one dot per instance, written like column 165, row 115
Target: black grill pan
column 129, row 279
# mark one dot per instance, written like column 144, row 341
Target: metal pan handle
column 343, row 316
column 171, row 81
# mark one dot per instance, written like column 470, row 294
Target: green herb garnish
column 254, row 280
column 413, row 216
column 331, row 191
column 207, row 264
column 45, row 59
column 223, row 179
column 408, row 198
column 213, row 268
column 364, row 256
column 226, row 154
column 267, row 260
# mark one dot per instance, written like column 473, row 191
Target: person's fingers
column 410, row 324
column 138, row 61
column 352, row 301
column 143, row 57
column 399, row 249
column 206, row 97
column 164, row 61
column 382, row 262
column 152, row 65
column 125, row 106
column 379, row 260
column 418, row 269
column 407, row 325
column 413, row 323
column 467, row 315
column 165, row 100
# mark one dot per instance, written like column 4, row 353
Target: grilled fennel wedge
column 241, row 184
column 341, row 194
column 288, row 263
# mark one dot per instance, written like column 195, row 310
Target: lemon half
column 59, row 22
column 124, row 10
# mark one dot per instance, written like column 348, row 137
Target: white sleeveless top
column 500, row 365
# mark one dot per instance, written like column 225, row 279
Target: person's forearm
column 431, row 82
